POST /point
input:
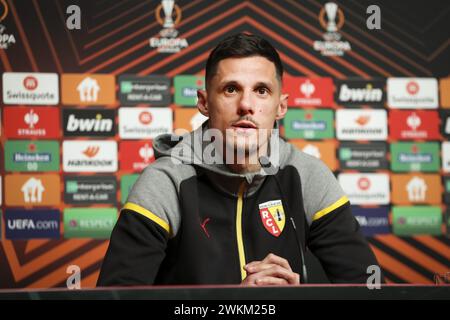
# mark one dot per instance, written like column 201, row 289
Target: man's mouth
column 244, row 125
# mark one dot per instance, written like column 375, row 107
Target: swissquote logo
column 407, row 93
column 90, row 156
column 30, row 88
column 144, row 123
column 273, row 216
column 98, row 122
column 366, row 188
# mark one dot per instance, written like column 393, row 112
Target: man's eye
column 230, row 89
column 263, row 91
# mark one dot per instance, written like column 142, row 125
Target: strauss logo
column 31, row 118
column 413, row 121
column 307, row 88
column 146, row 153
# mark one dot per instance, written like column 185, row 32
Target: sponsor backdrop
column 80, row 107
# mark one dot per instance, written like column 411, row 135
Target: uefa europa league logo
column 168, row 9
column 168, row 15
column 331, row 18
column 331, row 10
column 168, row 22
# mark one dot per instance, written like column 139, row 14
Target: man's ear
column 282, row 107
column 202, row 103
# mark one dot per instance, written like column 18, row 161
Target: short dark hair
column 239, row 46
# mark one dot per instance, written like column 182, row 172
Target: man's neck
column 249, row 162
column 244, row 168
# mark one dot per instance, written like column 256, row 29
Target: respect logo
column 89, row 222
column 417, row 220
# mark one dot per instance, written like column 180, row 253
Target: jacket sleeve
column 335, row 239
column 135, row 252
column 149, row 218
column 333, row 234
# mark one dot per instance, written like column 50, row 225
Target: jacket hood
column 195, row 148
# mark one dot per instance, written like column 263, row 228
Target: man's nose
column 246, row 104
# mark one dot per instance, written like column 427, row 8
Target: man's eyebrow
column 236, row 83
column 264, row 84
column 229, row 82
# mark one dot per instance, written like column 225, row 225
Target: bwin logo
column 368, row 94
column 88, row 125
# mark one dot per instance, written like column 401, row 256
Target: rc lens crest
column 273, row 216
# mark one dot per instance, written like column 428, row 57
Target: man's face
column 243, row 101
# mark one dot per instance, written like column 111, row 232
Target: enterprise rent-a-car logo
column 87, row 190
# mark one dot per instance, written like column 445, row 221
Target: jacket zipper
column 240, row 241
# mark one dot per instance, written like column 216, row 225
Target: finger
column 251, row 264
column 258, row 267
column 279, row 272
column 271, row 281
column 272, row 258
column 258, row 279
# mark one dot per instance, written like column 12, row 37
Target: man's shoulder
column 170, row 167
column 305, row 164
